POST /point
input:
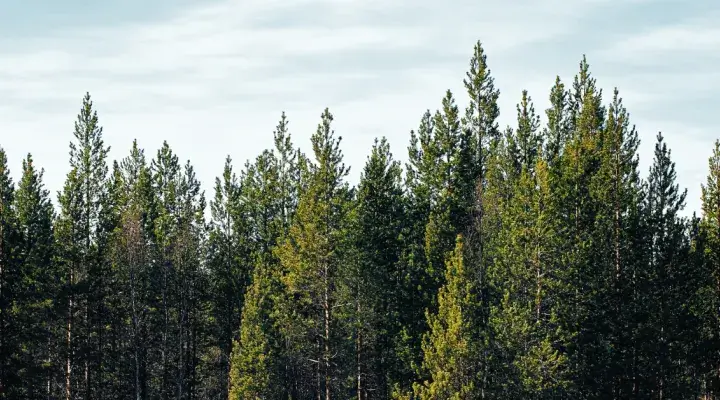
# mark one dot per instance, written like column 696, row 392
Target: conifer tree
column 9, row 381
column 480, row 124
column 557, row 130
column 229, row 263
column 616, row 190
column 180, row 282
column 312, row 257
column 133, row 255
column 255, row 368
column 450, row 350
column 526, row 143
column 531, row 359
column 79, row 229
column 666, row 293
column 446, row 213
column 422, row 155
column 376, row 279
column 36, row 288
column 710, row 227
column 577, row 167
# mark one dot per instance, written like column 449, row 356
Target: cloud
column 213, row 78
column 671, row 40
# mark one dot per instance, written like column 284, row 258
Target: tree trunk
column 359, row 357
column 326, row 306
column 68, row 359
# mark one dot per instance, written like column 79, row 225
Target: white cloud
column 213, row 79
column 672, row 41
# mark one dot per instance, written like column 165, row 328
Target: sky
column 213, row 76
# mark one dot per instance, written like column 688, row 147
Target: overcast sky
column 213, row 76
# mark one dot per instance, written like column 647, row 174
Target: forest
column 528, row 262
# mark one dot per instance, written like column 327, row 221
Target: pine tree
column 312, row 257
column 179, row 281
column 133, row 255
column 78, row 233
column 376, row 279
column 229, row 261
column 480, row 124
column 526, row 142
column 255, row 367
column 531, row 359
column 9, row 381
column 557, row 130
column 576, row 168
column 422, row 156
column 445, row 220
column 36, row 288
column 710, row 227
column 616, row 190
column 450, row 349
column 666, row 293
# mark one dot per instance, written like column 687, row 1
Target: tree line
column 526, row 262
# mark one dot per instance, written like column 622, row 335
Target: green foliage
column 255, row 372
column 528, row 263
column 376, row 279
column 449, row 348
column 313, row 258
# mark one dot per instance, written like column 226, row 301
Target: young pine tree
column 256, row 370
column 450, row 347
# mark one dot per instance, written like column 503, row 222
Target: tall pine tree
column 313, row 258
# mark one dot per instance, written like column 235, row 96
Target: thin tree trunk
column 326, row 306
column 359, row 356
column 2, row 310
column 68, row 359
column 88, row 346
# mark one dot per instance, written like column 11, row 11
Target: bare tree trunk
column 326, row 306
column 317, row 375
column 359, row 356
column 87, row 349
column 2, row 311
column 68, row 359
